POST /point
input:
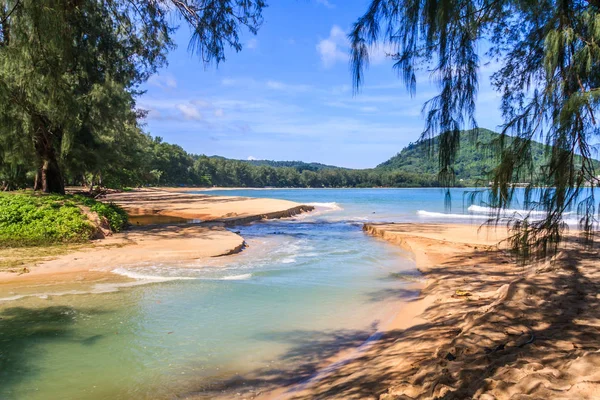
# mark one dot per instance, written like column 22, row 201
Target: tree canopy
column 70, row 71
column 548, row 72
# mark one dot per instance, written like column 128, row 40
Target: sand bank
column 163, row 243
column 483, row 326
column 229, row 210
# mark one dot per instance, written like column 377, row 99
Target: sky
column 288, row 94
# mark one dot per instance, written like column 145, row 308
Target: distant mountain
column 474, row 161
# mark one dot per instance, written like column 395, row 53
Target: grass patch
column 30, row 219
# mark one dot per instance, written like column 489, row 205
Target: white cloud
column 380, row 53
column 200, row 103
column 251, row 158
column 163, row 81
column 337, row 48
column 334, row 48
column 326, row 3
column 228, row 82
column 369, row 109
column 189, row 111
column 252, row 44
column 286, row 87
column 219, row 112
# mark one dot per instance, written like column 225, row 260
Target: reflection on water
column 304, row 289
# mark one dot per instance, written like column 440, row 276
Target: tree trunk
column 49, row 177
column 37, row 182
column 52, row 180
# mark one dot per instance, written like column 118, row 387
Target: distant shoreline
column 211, row 189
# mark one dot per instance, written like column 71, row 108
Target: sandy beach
column 161, row 243
column 483, row 327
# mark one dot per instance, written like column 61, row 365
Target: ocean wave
column 150, row 278
column 493, row 210
column 515, row 214
column 331, row 205
column 430, row 214
column 241, row 277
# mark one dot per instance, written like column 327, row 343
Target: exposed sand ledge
column 164, row 243
column 229, row 210
column 483, row 327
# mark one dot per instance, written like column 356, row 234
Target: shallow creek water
column 305, row 289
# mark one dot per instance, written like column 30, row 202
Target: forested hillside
column 151, row 161
column 299, row 165
column 476, row 158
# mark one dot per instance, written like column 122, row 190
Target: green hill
column 474, row 161
column 299, row 165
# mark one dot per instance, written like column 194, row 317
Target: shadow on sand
column 518, row 331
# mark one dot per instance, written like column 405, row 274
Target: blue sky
column 288, row 94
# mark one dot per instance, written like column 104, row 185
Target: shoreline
column 482, row 327
column 212, row 189
column 158, row 243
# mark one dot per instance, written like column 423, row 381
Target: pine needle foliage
column 547, row 55
column 70, row 71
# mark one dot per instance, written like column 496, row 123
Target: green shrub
column 116, row 216
column 28, row 219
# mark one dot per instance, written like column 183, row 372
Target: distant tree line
column 148, row 161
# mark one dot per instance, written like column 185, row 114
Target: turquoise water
column 305, row 289
column 468, row 205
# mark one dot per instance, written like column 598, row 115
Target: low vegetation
column 28, row 219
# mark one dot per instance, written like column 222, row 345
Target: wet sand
column 160, row 243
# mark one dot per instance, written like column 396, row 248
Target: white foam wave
column 140, row 279
column 43, row 296
column 483, row 216
column 98, row 288
column 150, row 278
column 288, row 260
column 146, row 278
column 508, row 211
column 332, row 205
column 429, row 214
column 241, row 277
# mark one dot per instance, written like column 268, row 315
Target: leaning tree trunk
column 49, row 178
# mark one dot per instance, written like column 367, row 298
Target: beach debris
column 461, row 293
column 529, row 341
column 495, row 349
column 25, row 270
